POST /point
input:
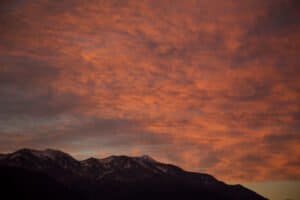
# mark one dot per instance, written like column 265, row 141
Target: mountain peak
column 147, row 158
column 47, row 153
column 40, row 159
column 124, row 157
column 91, row 161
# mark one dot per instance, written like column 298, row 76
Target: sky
column 210, row 85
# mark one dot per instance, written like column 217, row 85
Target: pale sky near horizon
column 277, row 190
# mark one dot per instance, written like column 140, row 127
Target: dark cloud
column 280, row 17
column 280, row 141
column 19, row 103
column 81, row 133
column 24, row 72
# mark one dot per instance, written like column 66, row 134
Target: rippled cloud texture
column 212, row 86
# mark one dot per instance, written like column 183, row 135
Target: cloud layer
column 212, row 85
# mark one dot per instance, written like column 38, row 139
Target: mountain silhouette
column 52, row 174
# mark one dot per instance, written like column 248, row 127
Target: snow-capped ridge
column 147, row 158
column 101, row 165
column 43, row 154
column 91, row 161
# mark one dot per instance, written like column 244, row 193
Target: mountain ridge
column 95, row 177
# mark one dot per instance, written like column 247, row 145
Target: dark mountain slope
column 18, row 183
column 116, row 177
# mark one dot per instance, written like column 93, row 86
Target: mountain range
column 53, row 174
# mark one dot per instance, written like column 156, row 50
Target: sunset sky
column 210, row 85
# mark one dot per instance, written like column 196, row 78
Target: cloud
column 195, row 83
column 280, row 16
column 22, row 71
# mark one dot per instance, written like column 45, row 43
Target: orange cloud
column 210, row 85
